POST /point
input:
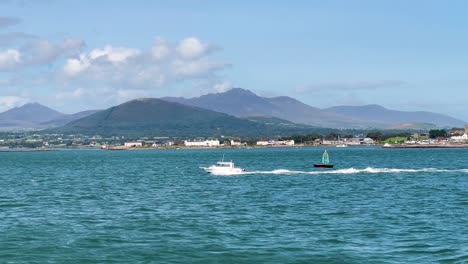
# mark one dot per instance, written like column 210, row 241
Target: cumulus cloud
column 196, row 68
column 125, row 68
column 40, row 52
column 222, row 86
column 192, row 48
column 110, row 74
column 8, row 21
column 45, row 52
column 114, row 54
column 8, row 102
column 349, row 86
column 9, row 59
column 160, row 50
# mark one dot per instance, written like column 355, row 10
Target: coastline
column 121, row 148
column 432, row 146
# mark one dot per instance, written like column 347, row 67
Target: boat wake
column 368, row 170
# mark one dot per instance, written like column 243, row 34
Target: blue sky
column 76, row 55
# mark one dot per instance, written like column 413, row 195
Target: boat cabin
column 225, row 164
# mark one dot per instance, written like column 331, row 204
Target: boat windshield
column 225, row 164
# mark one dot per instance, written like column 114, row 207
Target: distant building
column 263, row 143
column 285, row 142
column 275, row 143
column 133, row 144
column 360, row 141
column 200, row 143
column 463, row 137
column 235, row 143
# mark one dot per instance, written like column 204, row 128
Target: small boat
column 223, row 168
column 325, row 161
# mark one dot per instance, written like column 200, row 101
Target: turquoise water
column 376, row 206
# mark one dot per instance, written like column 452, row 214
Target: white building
column 275, row 143
column 463, row 137
column 360, row 141
column 263, row 143
column 235, row 143
column 204, row 143
column 285, row 142
column 133, row 144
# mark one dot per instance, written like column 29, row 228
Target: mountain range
column 244, row 103
column 234, row 111
column 378, row 114
column 151, row 116
column 240, row 102
column 37, row 116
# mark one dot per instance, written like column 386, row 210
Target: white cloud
column 46, row 52
column 109, row 74
column 197, row 68
column 160, row 49
column 74, row 66
column 222, row 86
column 192, row 48
column 9, row 59
column 113, row 54
column 8, row 102
column 125, row 68
column 38, row 53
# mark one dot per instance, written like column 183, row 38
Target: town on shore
column 457, row 137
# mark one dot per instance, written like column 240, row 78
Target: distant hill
column 377, row 113
column 65, row 119
column 240, row 102
column 27, row 116
column 271, row 120
column 412, row 126
column 152, row 116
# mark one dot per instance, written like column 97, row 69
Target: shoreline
column 429, row 146
column 121, row 148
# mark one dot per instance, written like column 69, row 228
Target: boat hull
column 324, row 166
column 223, row 171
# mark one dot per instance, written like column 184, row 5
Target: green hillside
column 155, row 117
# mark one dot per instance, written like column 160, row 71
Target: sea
column 158, row 206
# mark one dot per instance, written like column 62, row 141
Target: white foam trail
column 368, row 170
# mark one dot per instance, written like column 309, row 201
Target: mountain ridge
column 374, row 112
column 36, row 116
column 241, row 102
column 158, row 117
column 27, row 116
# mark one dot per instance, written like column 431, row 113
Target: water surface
column 154, row 206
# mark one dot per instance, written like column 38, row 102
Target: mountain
column 240, row 102
column 377, row 113
column 237, row 102
column 27, row 116
column 152, row 116
column 65, row 119
column 412, row 126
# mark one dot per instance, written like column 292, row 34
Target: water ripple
column 159, row 207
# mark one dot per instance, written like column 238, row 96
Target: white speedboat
column 341, row 146
column 223, row 168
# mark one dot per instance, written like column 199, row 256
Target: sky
column 79, row 55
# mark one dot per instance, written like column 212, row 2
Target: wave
column 368, row 170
